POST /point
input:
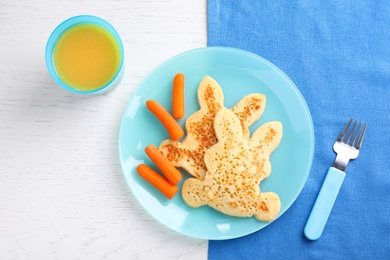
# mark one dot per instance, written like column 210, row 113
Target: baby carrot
column 178, row 96
column 170, row 172
column 170, row 124
column 158, row 181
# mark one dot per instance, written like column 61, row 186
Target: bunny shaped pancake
column 235, row 168
column 189, row 154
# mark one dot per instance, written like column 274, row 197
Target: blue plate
column 239, row 73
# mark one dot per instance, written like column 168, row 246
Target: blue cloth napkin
column 338, row 55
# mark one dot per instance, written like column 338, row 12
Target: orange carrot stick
column 158, row 181
column 170, row 172
column 178, row 96
column 170, row 124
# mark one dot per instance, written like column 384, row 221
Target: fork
column 346, row 149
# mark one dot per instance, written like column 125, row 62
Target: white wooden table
column 62, row 192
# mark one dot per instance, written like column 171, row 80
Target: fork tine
column 360, row 140
column 355, row 135
column 350, row 132
column 340, row 137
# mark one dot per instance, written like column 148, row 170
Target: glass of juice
column 84, row 55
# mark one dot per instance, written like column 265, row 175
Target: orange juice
column 87, row 57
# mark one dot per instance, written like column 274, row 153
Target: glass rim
column 64, row 26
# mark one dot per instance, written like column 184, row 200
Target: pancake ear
column 227, row 126
column 267, row 137
column 249, row 109
column 210, row 95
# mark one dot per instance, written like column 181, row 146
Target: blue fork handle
column 324, row 203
